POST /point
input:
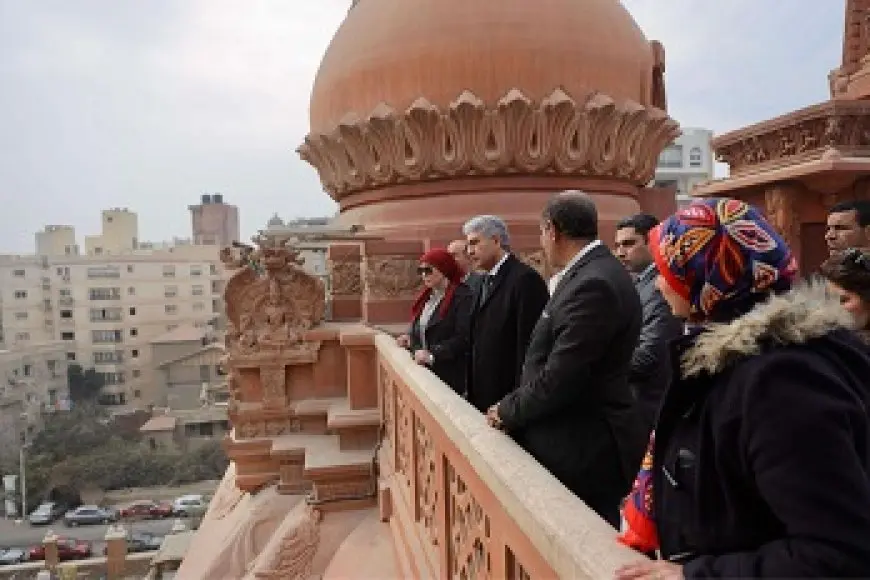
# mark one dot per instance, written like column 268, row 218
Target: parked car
column 12, row 555
column 141, row 542
column 189, row 505
column 46, row 513
column 67, row 549
column 89, row 514
column 145, row 508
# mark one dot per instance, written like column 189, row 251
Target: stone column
column 781, row 207
column 116, row 551
column 345, row 281
column 52, row 558
column 390, row 280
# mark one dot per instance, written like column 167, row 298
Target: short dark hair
column 573, row 214
column 643, row 223
column 859, row 206
column 850, row 270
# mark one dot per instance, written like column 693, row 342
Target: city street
column 24, row 535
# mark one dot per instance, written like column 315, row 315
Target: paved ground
column 24, row 535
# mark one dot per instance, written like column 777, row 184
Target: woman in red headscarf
column 441, row 317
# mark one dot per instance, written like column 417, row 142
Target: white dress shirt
column 553, row 283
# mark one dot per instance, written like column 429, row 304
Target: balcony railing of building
column 465, row 501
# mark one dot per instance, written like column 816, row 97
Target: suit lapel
column 497, row 280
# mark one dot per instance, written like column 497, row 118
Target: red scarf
column 440, row 259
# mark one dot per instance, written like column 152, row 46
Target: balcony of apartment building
column 105, row 315
column 104, row 293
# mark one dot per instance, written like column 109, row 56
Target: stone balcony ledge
column 529, row 515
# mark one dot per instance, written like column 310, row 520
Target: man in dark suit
column 650, row 372
column 506, row 309
column 574, row 411
column 459, row 250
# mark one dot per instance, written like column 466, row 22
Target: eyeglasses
column 424, row 270
column 858, row 258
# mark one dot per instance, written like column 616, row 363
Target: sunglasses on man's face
column 424, row 270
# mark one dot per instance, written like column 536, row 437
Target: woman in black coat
column 848, row 276
column 439, row 334
column 760, row 462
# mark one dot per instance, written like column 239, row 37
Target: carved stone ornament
column 560, row 135
column 295, row 556
column 802, row 136
column 780, row 202
column 388, row 277
column 346, row 278
column 271, row 302
column 536, row 260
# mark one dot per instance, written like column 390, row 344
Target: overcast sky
column 147, row 104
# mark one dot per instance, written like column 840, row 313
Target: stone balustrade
column 463, row 500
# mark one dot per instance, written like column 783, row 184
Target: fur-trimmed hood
column 804, row 313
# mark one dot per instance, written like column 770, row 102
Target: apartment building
column 32, row 385
column 686, row 162
column 214, row 222
column 107, row 308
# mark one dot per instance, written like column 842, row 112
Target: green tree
column 84, row 385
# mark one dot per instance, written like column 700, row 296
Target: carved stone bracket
column 346, row 278
column 780, row 207
column 560, row 135
column 391, row 277
column 802, row 136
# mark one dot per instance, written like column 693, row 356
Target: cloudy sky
column 148, row 103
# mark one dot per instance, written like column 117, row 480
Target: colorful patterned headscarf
column 722, row 256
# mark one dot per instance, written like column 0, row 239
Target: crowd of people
column 687, row 385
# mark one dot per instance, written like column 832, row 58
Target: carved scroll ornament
column 389, row 277
column 346, row 278
column 590, row 136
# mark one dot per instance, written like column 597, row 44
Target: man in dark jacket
column 507, row 306
column 650, row 370
column 574, row 411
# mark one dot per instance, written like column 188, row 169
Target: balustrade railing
column 465, row 501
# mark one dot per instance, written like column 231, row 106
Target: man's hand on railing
column 403, row 340
column 492, row 418
column 657, row 570
column 423, row 357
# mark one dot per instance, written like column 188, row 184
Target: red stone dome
column 397, row 51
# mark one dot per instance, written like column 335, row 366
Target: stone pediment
column 271, row 304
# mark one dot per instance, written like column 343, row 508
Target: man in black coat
column 507, row 306
column 650, row 371
column 574, row 410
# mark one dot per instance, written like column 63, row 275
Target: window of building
column 170, row 291
column 98, row 251
column 169, row 271
column 137, row 394
column 104, row 293
column 134, row 353
column 196, row 290
column 106, row 336
column 204, row 374
column 695, row 157
column 198, row 306
column 67, row 335
column 170, row 309
column 215, row 305
column 18, row 273
column 66, row 313
column 190, row 430
column 65, row 292
column 52, row 397
column 70, row 356
column 108, row 357
column 134, row 332
column 136, row 374
column 130, row 269
column 671, row 157
column 105, row 314
column 51, row 365
column 171, row 327
column 212, row 269
column 216, row 286
column 196, row 270
column 20, row 316
column 131, row 291
column 28, row 370
column 152, row 443
column 104, row 272
column 20, row 294
column 206, row 430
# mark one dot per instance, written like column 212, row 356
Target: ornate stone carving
column 469, row 532
column 779, row 203
column 801, row 136
column 536, row 260
column 391, row 277
column 294, row 558
column 659, row 95
column 427, row 480
column 593, row 135
column 328, row 491
column 269, row 310
column 404, row 438
column 346, row 278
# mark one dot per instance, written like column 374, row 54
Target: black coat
column 762, row 458
column 650, row 370
column 500, row 330
column 574, row 411
column 447, row 339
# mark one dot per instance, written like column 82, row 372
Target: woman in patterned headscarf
column 760, row 463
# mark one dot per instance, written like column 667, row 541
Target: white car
column 188, row 505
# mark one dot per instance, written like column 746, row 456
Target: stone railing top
column 569, row 536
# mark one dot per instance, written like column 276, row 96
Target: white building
column 686, row 162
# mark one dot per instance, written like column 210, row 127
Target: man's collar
column 498, row 265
